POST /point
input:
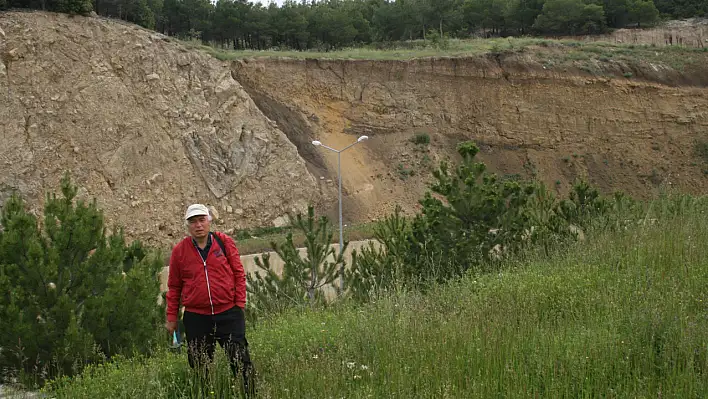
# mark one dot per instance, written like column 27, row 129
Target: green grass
column 560, row 55
column 624, row 314
column 675, row 57
column 397, row 51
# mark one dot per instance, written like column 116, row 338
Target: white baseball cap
column 196, row 210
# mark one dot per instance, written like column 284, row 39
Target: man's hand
column 171, row 326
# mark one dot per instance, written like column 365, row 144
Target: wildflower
column 351, row 365
column 315, row 357
column 364, row 367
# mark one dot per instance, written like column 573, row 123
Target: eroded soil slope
column 143, row 124
column 623, row 127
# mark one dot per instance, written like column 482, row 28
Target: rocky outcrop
column 144, row 125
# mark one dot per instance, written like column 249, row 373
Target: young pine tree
column 67, row 297
column 303, row 274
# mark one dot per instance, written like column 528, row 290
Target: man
column 206, row 273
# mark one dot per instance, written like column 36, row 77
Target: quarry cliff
column 147, row 125
column 529, row 120
column 142, row 124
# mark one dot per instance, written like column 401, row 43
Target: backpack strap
column 221, row 244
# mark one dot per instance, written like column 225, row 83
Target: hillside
column 144, row 125
column 148, row 124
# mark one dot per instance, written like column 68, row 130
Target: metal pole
column 341, row 223
column 341, row 230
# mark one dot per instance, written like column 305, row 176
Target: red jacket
column 209, row 287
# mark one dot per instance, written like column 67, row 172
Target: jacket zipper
column 206, row 274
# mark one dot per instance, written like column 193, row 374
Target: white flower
column 364, row 367
column 351, row 365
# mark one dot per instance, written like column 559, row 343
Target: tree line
column 331, row 24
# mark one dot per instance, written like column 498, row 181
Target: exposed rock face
column 143, row 124
column 621, row 134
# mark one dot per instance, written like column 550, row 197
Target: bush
column 70, row 294
column 80, row 7
column 469, row 215
column 421, row 138
column 438, row 41
column 700, row 148
column 471, row 219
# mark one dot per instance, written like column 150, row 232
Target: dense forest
column 331, row 24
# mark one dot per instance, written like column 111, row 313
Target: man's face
column 198, row 226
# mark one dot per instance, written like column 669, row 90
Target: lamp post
column 339, row 172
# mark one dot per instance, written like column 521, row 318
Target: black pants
column 229, row 330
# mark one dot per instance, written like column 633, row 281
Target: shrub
column 421, row 138
column 467, row 213
column 437, row 40
column 469, row 220
column 69, row 293
column 700, row 148
column 80, row 7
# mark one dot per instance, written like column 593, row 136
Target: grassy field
column 624, row 314
column 450, row 48
column 586, row 55
column 400, row 51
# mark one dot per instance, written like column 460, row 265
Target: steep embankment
column 624, row 125
column 143, row 124
column 147, row 125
